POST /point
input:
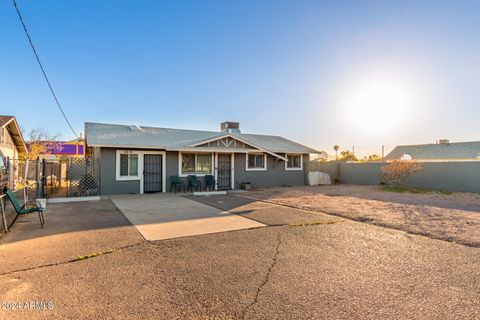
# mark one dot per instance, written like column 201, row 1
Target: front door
column 224, row 171
column 152, row 173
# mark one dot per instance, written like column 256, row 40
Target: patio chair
column 193, row 182
column 209, row 182
column 177, row 183
column 28, row 207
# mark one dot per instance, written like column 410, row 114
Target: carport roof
column 127, row 136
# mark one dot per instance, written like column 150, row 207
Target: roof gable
column 11, row 125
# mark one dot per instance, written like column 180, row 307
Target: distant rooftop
column 442, row 151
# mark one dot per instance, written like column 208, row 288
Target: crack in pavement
column 86, row 257
column 267, row 277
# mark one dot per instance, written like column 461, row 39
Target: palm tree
column 336, row 148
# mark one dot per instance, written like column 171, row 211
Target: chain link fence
column 33, row 179
column 72, row 177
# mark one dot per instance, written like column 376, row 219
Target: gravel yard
column 453, row 217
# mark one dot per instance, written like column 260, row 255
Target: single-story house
column 12, row 149
column 443, row 150
column 135, row 159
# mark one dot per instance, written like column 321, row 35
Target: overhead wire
column 43, row 70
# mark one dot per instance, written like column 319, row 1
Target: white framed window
column 295, row 162
column 256, row 161
column 195, row 163
column 127, row 165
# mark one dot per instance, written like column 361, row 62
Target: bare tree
column 40, row 142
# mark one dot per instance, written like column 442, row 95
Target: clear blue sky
column 306, row 70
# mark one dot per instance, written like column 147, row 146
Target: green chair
column 28, row 207
column 177, row 183
column 194, row 183
column 209, row 182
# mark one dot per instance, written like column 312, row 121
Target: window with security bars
column 256, row 161
column 294, row 161
column 196, row 163
column 129, row 165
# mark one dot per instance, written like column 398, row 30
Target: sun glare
column 377, row 106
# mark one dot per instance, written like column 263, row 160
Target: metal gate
column 224, row 171
column 152, row 173
column 71, row 177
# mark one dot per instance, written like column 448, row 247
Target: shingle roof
column 455, row 150
column 115, row 135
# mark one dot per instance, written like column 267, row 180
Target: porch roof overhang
column 14, row 130
column 191, row 149
column 228, row 135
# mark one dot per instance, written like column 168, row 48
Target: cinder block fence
column 450, row 176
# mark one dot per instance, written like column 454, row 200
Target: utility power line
column 41, row 67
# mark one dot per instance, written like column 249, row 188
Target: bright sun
column 378, row 106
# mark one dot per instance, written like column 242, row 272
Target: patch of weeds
column 92, row 255
column 413, row 190
column 313, row 223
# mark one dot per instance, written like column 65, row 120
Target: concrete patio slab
column 167, row 216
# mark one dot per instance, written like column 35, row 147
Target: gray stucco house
column 137, row 159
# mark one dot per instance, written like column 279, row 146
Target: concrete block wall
column 450, row 176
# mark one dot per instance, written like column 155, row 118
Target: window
column 196, row 163
column 128, row 165
column 294, row 162
column 256, row 161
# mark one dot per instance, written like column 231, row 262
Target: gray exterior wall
column 108, row 183
column 449, row 176
column 274, row 176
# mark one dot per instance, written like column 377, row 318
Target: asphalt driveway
column 302, row 265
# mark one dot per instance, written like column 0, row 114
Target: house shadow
column 80, row 219
column 456, row 201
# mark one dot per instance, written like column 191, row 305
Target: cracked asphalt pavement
column 302, row 266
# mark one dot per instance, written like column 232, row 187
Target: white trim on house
column 119, row 177
column 139, row 176
column 215, row 169
column 295, row 168
column 232, row 176
column 256, row 169
column 212, row 163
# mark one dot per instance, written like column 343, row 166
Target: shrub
column 397, row 172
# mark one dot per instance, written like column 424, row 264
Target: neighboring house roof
column 441, row 151
column 10, row 123
column 114, row 135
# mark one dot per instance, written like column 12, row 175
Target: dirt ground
column 453, row 217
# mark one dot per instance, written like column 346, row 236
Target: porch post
column 215, row 172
